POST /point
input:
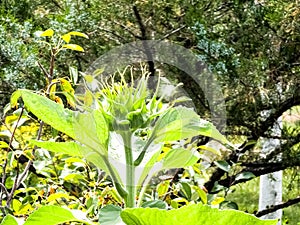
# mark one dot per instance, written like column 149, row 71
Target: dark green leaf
column 223, row 165
column 186, row 189
column 244, row 175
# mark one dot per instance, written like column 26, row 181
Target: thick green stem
column 130, row 171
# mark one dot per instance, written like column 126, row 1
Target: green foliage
column 192, row 214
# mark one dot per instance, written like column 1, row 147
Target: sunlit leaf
column 52, row 215
column 14, row 98
column 202, row 194
column 9, row 220
column 47, row 33
column 55, row 196
column 210, row 149
column 74, row 47
column 50, row 112
column 3, row 144
column 217, row 200
column 66, row 37
column 163, row 187
column 191, row 214
column 76, row 33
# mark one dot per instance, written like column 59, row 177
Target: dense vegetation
column 251, row 46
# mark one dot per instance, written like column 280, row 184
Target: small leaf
column 202, row 194
column 14, row 98
column 47, row 33
column 3, row 145
column 88, row 98
column 66, row 86
column 56, row 196
column 74, row 47
column 223, row 165
column 76, row 33
column 66, row 38
column 74, row 74
column 163, row 187
column 110, row 215
column 210, row 149
column 186, row 189
column 244, row 175
column 155, row 204
column 217, row 200
column 89, row 78
column 98, row 72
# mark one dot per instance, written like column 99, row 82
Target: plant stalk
column 130, row 171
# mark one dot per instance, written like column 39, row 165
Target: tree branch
column 145, row 37
column 279, row 206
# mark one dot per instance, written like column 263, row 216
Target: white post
column 271, row 184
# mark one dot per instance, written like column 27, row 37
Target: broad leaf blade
column 51, row 215
column 50, row 112
column 181, row 122
column 9, row 220
column 192, row 214
column 178, row 158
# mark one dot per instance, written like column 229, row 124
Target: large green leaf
column 52, row 215
column 50, row 112
column 181, row 122
column 89, row 128
column 188, row 215
column 9, row 220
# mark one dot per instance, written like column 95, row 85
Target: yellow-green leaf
column 47, row 33
column 66, row 38
column 56, row 196
column 217, row 200
column 89, row 78
column 3, row 145
column 76, row 33
column 74, row 47
column 14, row 98
column 88, row 98
column 66, row 86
